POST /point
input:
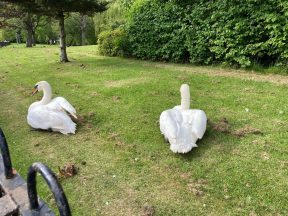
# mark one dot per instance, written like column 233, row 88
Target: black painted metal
column 53, row 184
column 6, row 156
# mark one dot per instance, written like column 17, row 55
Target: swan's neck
column 185, row 99
column 47, row 95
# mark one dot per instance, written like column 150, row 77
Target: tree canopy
column 57, row 8
column 51, row 7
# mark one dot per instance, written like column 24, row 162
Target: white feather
column 59, row 103
column 170, row 123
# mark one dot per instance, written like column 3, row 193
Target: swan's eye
column 36, row 86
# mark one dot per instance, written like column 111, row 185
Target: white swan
column 51, row 114
column 182, row 126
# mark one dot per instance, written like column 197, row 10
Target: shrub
column 205, row 32
column 155, row 32
column 113, row 42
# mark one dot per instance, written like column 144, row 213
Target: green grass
column 128, row 164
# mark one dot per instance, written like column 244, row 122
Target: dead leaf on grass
column 68, row 170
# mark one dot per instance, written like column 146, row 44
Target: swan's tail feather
column 72, row 128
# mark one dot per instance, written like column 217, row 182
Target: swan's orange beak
column 35, row 90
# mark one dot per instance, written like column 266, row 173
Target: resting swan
column 51, row 114
column 182, row 126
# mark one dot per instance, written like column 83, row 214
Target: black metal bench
column 4, row 43
column 20, row 198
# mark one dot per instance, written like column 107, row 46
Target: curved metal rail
column 53, row 184
column 6, row 156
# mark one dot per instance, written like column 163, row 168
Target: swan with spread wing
column 182, row 126
column 51, row 114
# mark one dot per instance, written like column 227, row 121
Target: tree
column 79, row 31
column 13, row 17
column 31, row 22
column 7, row 12
column 110, row 19
column 57, row 9
column 47, row 31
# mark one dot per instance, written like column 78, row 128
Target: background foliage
column 229, row 32
column 207, row 32
column 113, row 42
column 48, row 30
column 73, row 30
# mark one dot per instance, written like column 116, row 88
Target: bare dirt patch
column 73, row 85
column 265, row 156
column 246, row 131
column 85, row 119
column 197, row 187
column 272, row 78
column 126, row 82
column 148, row 210
column 116, row 98
column 82, row 66
column 113, row 136
column 95, row 94
column 116, row 138
column 222, row 126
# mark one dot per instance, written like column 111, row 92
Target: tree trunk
column 29, row 38
column 18, row 37
column 63, row 54
column 83, row 24
column 29, row 29
column 33, row 39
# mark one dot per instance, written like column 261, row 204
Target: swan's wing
column 43, row 117
column 170, row 121
column 199, row 123
column 61, row 103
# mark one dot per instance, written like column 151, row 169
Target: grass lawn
column 128, row 164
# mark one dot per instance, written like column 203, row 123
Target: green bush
column 155, row 31
column 113, row 42
column 233, row 32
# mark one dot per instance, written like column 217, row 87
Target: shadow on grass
column 211, row 139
